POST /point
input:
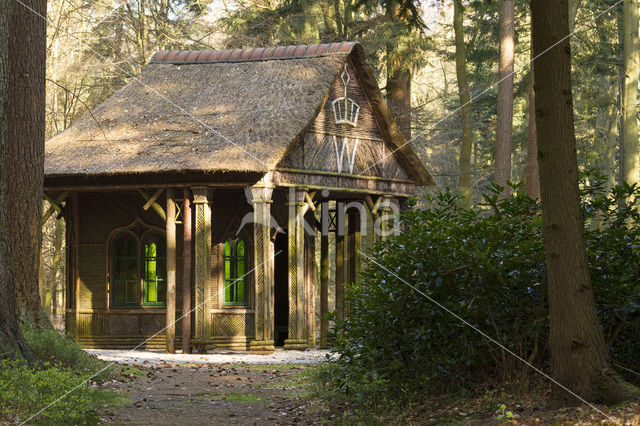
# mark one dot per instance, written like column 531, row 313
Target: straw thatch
column 206, row 117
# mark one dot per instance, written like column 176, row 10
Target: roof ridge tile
column 252, row 53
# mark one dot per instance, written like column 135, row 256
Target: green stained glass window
column 139, row 269
column 125, row 269
column 234, row 272
column 154, row 269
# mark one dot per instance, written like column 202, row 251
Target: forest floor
column 281, row 391
column 202, row 391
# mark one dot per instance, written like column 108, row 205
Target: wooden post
column 354, row 243
column 171, row 273
column 340, row 222
column 202, row 264
column 385, row 217
column 357, row 246
column 311, row 269
column 263, row 269
column 76, row 263
column 324, row 278
column 186, row 274
column 296, row 249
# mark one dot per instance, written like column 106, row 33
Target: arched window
column 154, row 269
column 125, row 269
column 138, row 270
column 234, row 270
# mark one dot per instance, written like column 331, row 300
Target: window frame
column 142, row 261
column 140, row 231
column 113, row 270
column 233, row 258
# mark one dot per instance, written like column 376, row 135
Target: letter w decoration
column 340, row 152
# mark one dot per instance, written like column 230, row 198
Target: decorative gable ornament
column 345, row 109
column 340, row 153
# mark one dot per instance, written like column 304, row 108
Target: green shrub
column 53, row 346
column 25, row 390
column 487, row 267
column 612, row 223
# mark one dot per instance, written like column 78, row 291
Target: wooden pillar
column 340, row 228
column 202, row 263
column 263, row 269
column 296, row 249
column 186, row 274
column 403, row 207
column 354, row 246
column 386, row 219
column 311, row 269
column 324, row 277
column 383, row 228
column 76, row 263
column 170, row 304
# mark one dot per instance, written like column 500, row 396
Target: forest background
column 455, row 73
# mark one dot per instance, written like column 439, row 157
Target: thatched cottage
column 195, row 197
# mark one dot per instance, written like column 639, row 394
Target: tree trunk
column 312, row 23
column 399, row 95
column 620, row 22
column 630, row 93
column 161, row 23
column 464, row 181
column 532, row 178
column 25, row 151
column 579, row 357
column 504, row 125
column 398, row 78
column 11, row 340
column 606, row 129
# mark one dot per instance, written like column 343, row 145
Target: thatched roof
column 210, row 111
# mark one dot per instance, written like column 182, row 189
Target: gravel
column 218, row 356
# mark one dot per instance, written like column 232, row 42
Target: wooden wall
column 99, row 325
column 231, row 326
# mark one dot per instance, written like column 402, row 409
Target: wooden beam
column 276, row 231
column 312, row 180
column 158, row 209
column 342, row 175
column 309, row 198
column 373, row 207
column 376, row 206
column 55, row 205
column 136, row 186
column 152, row 199
column 186, row 274
column 171, row 273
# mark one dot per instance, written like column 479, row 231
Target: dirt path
column 224, row 394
